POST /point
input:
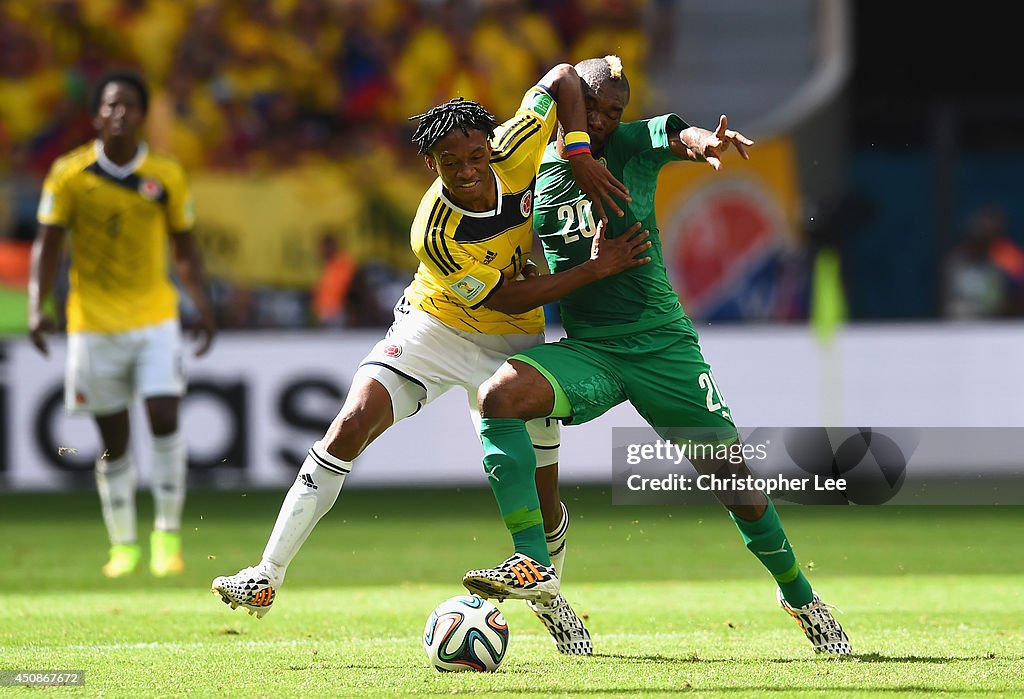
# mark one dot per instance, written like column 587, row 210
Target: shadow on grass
column 924, row 659
column 761, row 690
column 862, row 658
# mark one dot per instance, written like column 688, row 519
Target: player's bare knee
column 351, row 432
column 347, row 436
column 367, row 413
column 497, row 396
column 163, row 424
column 163, row 415
column 114, row 432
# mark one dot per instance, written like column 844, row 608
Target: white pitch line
column 174, row 645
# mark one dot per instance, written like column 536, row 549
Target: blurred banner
column 258, row 401
column 731, row 238
column 266, row 230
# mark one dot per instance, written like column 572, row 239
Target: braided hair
column 458, row 113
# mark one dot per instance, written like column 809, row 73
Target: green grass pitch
column 933, row 601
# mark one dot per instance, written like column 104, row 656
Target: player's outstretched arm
column 608, row 256
column 600, row 186
column 189, row 266
column 695, row 143
column 46, row 252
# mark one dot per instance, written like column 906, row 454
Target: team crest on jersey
column 393, row 350
column 489, row 257
column 150, row 189
column 469, row 287
column 526, row 203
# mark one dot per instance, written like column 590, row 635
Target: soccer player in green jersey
column 628, row 338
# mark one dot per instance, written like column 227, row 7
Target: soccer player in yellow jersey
column 121, row 207
column 474, row 301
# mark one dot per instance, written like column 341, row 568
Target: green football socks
column 510, row 464
column 768, row 542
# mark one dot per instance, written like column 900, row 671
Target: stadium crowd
column 314, row 88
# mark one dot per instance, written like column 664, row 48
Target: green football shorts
column 661, row 372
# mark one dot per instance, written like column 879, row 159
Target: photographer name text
column 713, row 483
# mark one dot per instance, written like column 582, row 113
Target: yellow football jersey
column 118, row 222
column 466, row 255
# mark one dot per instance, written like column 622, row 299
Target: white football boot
column 567, row 630
column 249, row 588
column 820, row 627
column 519, row 577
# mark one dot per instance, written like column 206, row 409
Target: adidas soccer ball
column 465, row 633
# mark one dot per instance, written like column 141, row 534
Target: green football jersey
column 640, row 298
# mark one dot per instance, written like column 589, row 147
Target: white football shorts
column 105, row 371
column 422, row 358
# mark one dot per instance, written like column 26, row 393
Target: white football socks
column 170, row 472
column 115, row 480
column 556, row 543
column 313, row 493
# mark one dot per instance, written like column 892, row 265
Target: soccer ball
column 465, row 633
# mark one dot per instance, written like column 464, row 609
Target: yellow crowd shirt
column 465, row 256
column 119, row 220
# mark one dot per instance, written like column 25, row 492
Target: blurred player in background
column 118, row 204
column 984, row 273
column 628, row 338
column 467, row 309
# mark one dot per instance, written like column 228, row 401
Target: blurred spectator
column 234, row 304
column 330, row 295
column 148, row 30
column 68, row 34
column 376, row 290
column 202, row 50
column 217, row 65
column 186, row 120
column 508, row 48
column 35, row 102
column 616, row 26
column 427, row 57
column 310, row 97
column 566, row 16
column 282, row 308
column 253, row 71
column 984, row 275
column 315, row 24
column 309, row 44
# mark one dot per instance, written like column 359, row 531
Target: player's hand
column 614, row 255
column 598, row 184
column 204, row 333
column 530, row 269
column 39, row 325
column 715, row 143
